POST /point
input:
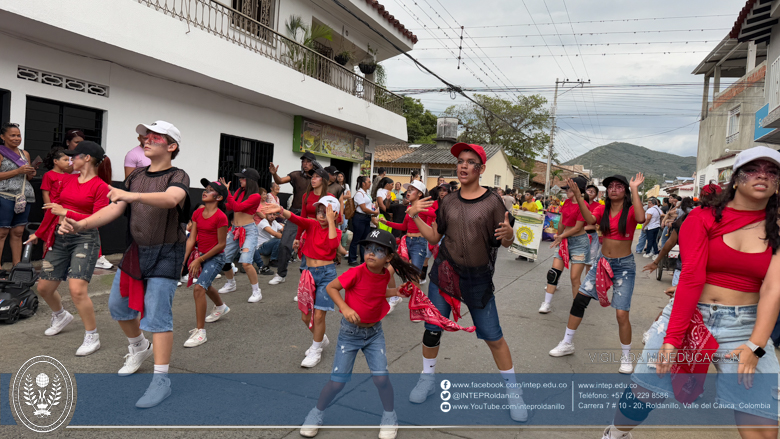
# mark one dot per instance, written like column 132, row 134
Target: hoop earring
column 735, row 185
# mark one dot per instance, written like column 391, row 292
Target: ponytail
column 104, row 170
column 403, row 268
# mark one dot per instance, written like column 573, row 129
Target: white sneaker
column 646, row 337
column 388, row 426
column 394, row 301
column 229, row 287
column 90, row 345
column 312, row 423
column 545, row 308
column 216, row 314
column 197, row 338
column 325, row 343
column 103, row 263
column 59, row 323
column 256, row 296
column 619, row 435
column 425, row 387
column 276, row 280
column 562, row 349
column 133, row 360
column 424, row 281
column 295, row 299
column 517, row 410
column 219, row 276
column 235, row 269
column 626, row 366
column 312, row 358
column 158, row 390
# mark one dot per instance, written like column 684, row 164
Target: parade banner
column 528, row 234
column 550, row 225
column 327, row 140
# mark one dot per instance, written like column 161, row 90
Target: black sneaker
column 354, row 264
column 266, row 270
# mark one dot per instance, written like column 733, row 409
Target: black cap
column 619, row 178
column 592, row 186
column 332, row 170
column 249, row 173
column 321, row 172
column 218, row 187
column 581, row 183
column 381, row 237
column 308, row 156
column 87, row 147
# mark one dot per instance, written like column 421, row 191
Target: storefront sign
column 327, row 140
column 760, row 131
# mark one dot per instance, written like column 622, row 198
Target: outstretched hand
column 272, row 208
column 420, row 205
column 330, row 214
column 504, row 232
column 274, row 169
column 574, row 188
column 225, row 183
column 637, row 181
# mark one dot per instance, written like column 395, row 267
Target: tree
column 420, row 123
column 519, row 126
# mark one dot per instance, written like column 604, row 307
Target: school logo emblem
column 374, row 234
column 42, row 394
column 525, row 235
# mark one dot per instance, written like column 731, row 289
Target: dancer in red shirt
column 59, row 166
column 72, row 257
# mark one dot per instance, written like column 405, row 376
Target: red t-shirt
column 82, row 200
column 249, row 206
column 614, row 221
column 52, row 182
column 570, row 214
column 409, row 226
column 208, row 228
column 364, row 292
column 317, row 245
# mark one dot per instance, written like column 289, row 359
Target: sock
column 94, row 331
column 569, row 335
column 626, row 348
column 509, row 378
column 160, row 368
column 548, row 297
column 222, row 307
column 429, row 365
column 614, row 433
column 136, row 341
column 57, row 313
column 255, row 288
column 316, row 344
column 232, row 281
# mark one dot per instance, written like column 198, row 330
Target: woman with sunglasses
column 617, row 219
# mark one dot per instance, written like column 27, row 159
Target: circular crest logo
column 42, row 394
column 525, row 235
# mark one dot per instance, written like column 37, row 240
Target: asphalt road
column 268, row 337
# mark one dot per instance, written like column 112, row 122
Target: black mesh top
column 158, row 235
column 469, row 248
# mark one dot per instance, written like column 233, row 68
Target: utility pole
column 548, row 177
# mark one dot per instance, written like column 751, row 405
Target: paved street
column 269, row 337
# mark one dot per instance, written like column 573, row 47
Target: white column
column 716, row 85
column 751, row 58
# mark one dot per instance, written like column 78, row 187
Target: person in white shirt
column 269, row 236
column 652, row 227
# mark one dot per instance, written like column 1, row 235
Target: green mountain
column 628, row 159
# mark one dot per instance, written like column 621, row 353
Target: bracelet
column 200, row 259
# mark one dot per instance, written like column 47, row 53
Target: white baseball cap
column 757, row 153
column 160, row 127
column 329, row 200
column 417, row 184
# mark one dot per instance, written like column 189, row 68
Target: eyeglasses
column 376, row 250
column 469, row 163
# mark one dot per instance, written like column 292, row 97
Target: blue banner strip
column 6, row 416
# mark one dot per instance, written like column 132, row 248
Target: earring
column 735, row 185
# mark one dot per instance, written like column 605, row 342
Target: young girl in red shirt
column 209, row 234
column 59, row 166
column 72, row 257
column 364, row 306
column 320, row 242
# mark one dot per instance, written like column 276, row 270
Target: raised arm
column 274, row 173
column 430, row 233
column 636, row 201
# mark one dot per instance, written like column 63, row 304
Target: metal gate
column 237, row 153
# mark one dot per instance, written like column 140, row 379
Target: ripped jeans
column 624, row 271
column 72, row 256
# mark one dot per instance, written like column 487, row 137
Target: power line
column 607, row 33
column 597, row 21
column 589, row 54
column 637, row 43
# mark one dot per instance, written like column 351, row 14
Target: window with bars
column 732, row 127
column 396, row 171
column 497, row 180
column 262, row 11
column 237, row 153
column 442, row 173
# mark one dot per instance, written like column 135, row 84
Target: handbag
column 20, row 201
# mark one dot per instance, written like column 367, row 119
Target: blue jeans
column 731, row 326
column 11, row 219
column 485, row 319
column 210, row 269
column 322, row 277
column 361, row 225
column 579, row 249
column 268, row 248
column 72, row 256
column 418, row 250
column 353, row 338
column 640, row 246
column 624, row 271
column 664, row 236
column 158, row 304
column 232, row 247
column 652, row 241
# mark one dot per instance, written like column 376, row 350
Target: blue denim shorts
column 210, row 269
column 624, row 271
column 676, row 278
column 579, row 249
column 158, row 304
column 418, row 249
column 10, row 219
column 250, row 243
column 485, row 319
column 595, row 247
column 322, row 277
column 353, row 338
column 72, row 256
column 731, row 326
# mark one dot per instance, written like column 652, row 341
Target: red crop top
column 708, row 260
column 570, row 214
column 248, row 207
column 614, row 221
column 409, row 226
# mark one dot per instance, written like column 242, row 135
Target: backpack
column 349, row 208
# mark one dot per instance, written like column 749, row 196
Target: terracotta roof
column 424, row 153
column 741, row 18
column 388, row 153
column 394, row 21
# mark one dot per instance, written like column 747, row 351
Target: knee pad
column 578, row 306
column 632, row 408
column 553, row 276
column 431, row 339
column 227, row 267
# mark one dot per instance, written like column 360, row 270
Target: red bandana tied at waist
column 134, row 290
column 306, row 291
column 604, row 277
column 240, row 234
column 694, row 357
column 403, row 250
column 563, row 250
column 421, row 309
column 193, row 256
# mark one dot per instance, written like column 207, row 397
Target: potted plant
column 368, row 65
column 344, row 57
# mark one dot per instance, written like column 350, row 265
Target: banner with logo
column 528, row 233
column 551, row 221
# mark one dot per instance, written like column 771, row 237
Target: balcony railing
column 773, row 85
column 225, row 22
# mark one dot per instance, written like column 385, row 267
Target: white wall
column 135, row 98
